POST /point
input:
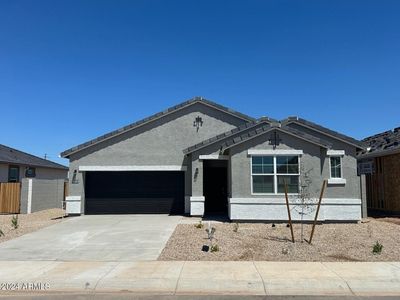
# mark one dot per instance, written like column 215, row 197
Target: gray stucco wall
column 47, row 173
column 3, row 173
column 314, row 160
column 352, row 186
column 41, row 173
column 24, row 196
column 340, row 202
column 155, row 144
column 46, row 194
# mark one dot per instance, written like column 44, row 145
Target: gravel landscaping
column 28, row 222
column 258, row 241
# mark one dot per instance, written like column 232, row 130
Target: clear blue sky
column 73, row 70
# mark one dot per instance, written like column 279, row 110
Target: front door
column 215, row 186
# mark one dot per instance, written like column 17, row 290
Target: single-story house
column 200, row 157
column 29, row 183
column 16, row 165
column 380, row 162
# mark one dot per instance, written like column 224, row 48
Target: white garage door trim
column 133, row 168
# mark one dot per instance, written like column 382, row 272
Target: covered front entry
column 215, row 187
column 134, row 192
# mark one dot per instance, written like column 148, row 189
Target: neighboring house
column 202, row 158
column 16, row 165
column 380, row 162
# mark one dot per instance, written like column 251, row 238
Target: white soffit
column 274, row 152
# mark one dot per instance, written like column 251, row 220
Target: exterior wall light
column 75, row 179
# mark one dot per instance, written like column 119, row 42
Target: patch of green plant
column 1, row 233
column 14, row 221
column 377, row 248
column 214, row 248
column 199, row 225
column 236, row 227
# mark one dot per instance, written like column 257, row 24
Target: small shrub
column 14, row 221
column 1, row 233
column 377, row 248
column 199, row 225
column 214, row 248
column 210, row 233
column 236, row 227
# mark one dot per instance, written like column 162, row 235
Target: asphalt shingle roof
column 194, row 100
column 13, row 156
column 279, row 124
column 382, row 143
column 233, row 132
column 267, row 128
column 250, row 123
column 325, row 130
column 233, row 136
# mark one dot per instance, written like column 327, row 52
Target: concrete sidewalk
column 213, row 278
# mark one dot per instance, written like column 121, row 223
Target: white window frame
column 274, row 175
column 340, row 154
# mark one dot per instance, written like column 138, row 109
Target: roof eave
column 292, row 120
column 60, row 167
column 187, row 151
column 379, row 153
column 67, row 153
column 279, row 129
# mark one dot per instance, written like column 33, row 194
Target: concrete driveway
column 95, row 238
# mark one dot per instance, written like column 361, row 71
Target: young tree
column 305, row 201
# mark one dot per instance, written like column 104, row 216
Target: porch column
column 197, row 198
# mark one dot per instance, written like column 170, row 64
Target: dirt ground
column 28, row 222
column 390, row 220
column 258, row 241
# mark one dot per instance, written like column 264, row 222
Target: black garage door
column 147, row 192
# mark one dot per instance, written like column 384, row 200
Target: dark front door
column 215, row 186
column 139, row 192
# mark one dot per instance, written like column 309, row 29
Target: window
column 13, row 174
column 30, row 172
column 263, row 174
column 269, row 174
column 336, row 166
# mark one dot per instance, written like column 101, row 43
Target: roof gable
column 229, row 134
column 253, row 129
column 268, row 128
column 323, row 130
column 154, row 117
column 13, row 156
